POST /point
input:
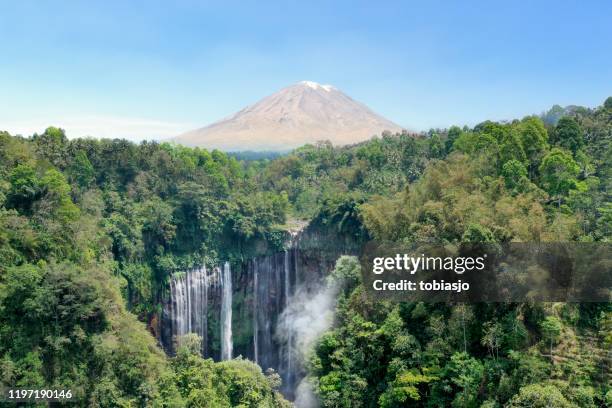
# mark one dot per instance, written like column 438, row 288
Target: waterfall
column 281, row 306
column 295, row 243
column 273, row 278
column 287, row 277
column 288, row 347
column 193, row 295
column 205, row 315
column 188, row 307
column 226, row 313
column 255, row 315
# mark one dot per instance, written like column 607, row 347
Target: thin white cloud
column 135, row 129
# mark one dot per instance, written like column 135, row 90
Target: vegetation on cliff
column 84, row 222
column 91, row 231
column 498, row 182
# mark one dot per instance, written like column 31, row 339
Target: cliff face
column 262, row 288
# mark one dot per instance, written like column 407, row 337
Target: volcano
column 306, row 112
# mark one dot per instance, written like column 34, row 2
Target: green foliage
column 56, row 197
column 534, row 140
column 89, row 226
column 465, row 373
column 494, row 187
column 82, row 222
column 247, row 386
column 315, row 174
column 346, row 273
column 568, row 135
column 405, row 388
column 475, row 142
column 52, row 146
column 453, row 134
column 436, row 148
column 476, row 233
column 74, row 320
column 237, row 383
column 559, row 171
column 511, row 148
column 451, row 196
column 539, row 396
column 82, row 170
column 515, row 176
column 551, row 329
column 24, row 188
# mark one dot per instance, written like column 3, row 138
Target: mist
column 308, row 315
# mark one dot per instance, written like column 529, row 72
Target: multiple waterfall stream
column 192, row 293
column 226, row 313
column 243, row 309
column 189, row 304
column 273, row 283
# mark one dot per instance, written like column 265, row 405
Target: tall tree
column 534, row 139
column 568, row 134
column 559, row 172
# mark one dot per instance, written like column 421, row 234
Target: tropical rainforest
column 91, row 232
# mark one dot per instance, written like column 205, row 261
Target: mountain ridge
column 305, row 112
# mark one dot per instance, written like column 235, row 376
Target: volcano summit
column 302, row 113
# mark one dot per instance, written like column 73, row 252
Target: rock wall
column 236, row 308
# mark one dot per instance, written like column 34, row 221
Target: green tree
column 476, row 233
column 24, row 188
column 158, row 228
column 408, row 387
column 465, row 373
column 436, row 148
column 474, row 143
column 453, row 134
column 52, row 145
column 82, row 170
column 511, row 148
column 492, row 338
column 568, row 134
column 534, row 139
column 559, row 171
column 515, row 176
column 56, row 194
column 346, row 273
column 539, row 396
column 551, row 330
column 494, row 129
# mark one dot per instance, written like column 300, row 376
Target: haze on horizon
column 111, row 69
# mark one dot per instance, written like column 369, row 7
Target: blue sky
column 154, row 69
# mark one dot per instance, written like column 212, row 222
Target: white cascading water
column 289, row 345
column 279, row 323
column 189, row 304
column 290, row 309
column 226, row 313
column 255, row 314
column 273, row 278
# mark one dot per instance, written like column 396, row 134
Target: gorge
column 254, row 308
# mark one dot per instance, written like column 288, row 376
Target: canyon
column 259, row 309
